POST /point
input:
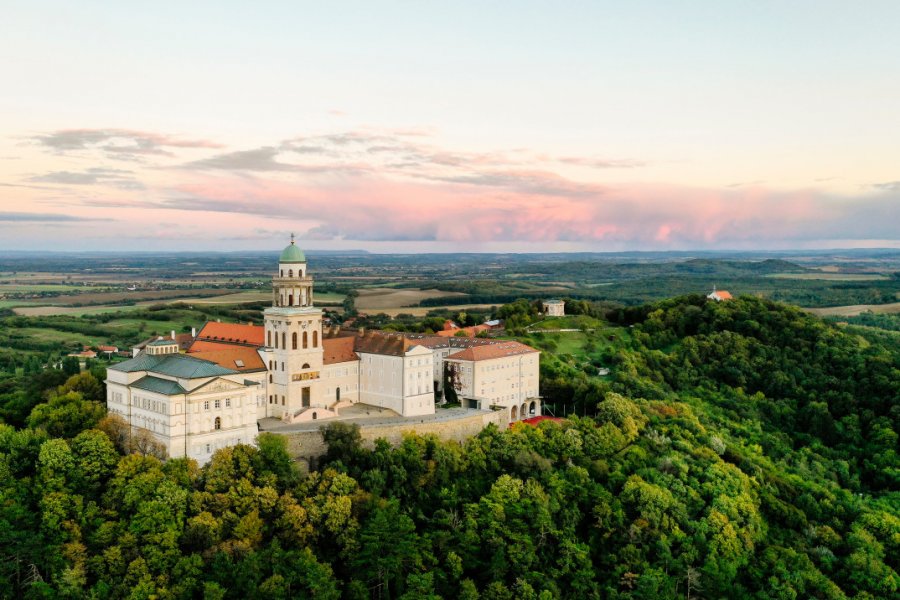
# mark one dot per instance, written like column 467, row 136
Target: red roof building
column 720, row 295
column 233, row 333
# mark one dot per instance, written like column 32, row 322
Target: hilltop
column 742, row 449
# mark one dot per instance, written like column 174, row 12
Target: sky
column 450, row 126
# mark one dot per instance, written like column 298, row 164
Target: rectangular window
column 227, row 402
column 218, row 403
column 206, row 405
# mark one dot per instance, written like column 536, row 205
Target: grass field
column 37, row 288
column 53, row 335
column 831, row 276
column 855, row 309
column 75, row 311
column 568, row 322
column 421, row 311
column 579, row 346
column 231, row 298
column 11, row 303
column 386, row 300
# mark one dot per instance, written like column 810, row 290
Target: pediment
column 218, row 384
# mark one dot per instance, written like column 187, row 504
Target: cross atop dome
column 292, row 253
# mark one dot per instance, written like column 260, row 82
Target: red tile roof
column 338, row 350
column 492, row 351
column 235, row 333
column 184, row 340
column 469, row 331
column 230, row 356
column 380, row 342
column 721, row 295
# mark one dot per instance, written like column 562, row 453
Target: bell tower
column 293, row 339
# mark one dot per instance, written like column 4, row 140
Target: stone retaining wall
column 307, row 446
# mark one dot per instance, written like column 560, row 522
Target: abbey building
column 294, row 369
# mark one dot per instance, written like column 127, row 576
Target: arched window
column 269, row 334
column 305, row 340
column 294, row 340
column 282, row 272
column 270, row 378
column 305, row 366
column 218, row 424
column 315, row 339
column 284, row 340
column 291, row 273
column 337, row 393
column 314, row 416
column 290, row 299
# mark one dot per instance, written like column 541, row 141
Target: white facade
column 403, row 384
column 554, row 308
column 510, row 382
column 207, row 413
column 194, row 407
column 295, row 359
column 340, row 382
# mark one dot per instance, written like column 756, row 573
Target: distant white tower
column 293, row 339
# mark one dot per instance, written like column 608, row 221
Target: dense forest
column 742, row 449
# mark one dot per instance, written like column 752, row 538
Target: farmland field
column 831, row 276
column 421, row 311
column 389, row 299
column 855, row 309
column 230, row 298
column 77, row 311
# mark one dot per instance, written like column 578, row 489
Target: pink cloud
column 375, row 208
column 390, row 185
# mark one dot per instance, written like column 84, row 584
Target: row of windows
column 217, row 403
column 315, row 340
column 157, row 406
column 420, row 389
column 288, row 300
column 339, row 373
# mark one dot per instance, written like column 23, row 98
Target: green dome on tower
column 292, row 254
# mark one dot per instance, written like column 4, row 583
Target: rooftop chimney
column 173, row 334
column 193, row 332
